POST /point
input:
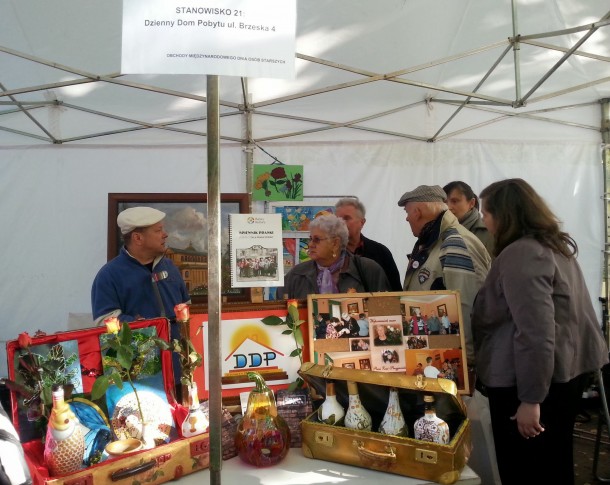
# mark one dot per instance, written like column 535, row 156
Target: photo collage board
column 413, row 332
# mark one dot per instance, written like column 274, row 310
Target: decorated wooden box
column 76, row 360
column 389, row 445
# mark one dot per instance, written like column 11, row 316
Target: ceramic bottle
column 356, row 417
column 196, row 421
column 331, row 412
column 430, row 427
column 64, row 449
column 393, row 421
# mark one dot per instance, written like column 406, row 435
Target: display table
column 295, row 469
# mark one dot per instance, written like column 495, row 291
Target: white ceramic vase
column 430, row 427
column 196, row 421
column 393, row 421
column 331, row 412
column 356, row 417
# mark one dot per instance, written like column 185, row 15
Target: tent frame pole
column 605, row 131
column 214, row 279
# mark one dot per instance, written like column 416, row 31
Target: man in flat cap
column 140, row 282
column 447, row 256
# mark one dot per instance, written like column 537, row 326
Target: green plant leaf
column 125, row 357
column 125, row 335
column 298, row 336
column 295, row 353
column 100, row 386
column 294, row 313
column 116, row 379
column 287, row 332
column 159, row 342
column 272, row 320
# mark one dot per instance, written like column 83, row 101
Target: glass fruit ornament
column 262, row 437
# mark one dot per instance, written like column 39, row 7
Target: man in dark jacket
column 352, row 211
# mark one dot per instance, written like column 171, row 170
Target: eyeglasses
column 316, row 240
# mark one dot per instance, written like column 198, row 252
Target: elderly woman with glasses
column 332, row 268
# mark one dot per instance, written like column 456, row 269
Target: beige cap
column 135, row 217
column 423, row 193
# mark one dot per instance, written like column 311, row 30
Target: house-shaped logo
column 251, row 355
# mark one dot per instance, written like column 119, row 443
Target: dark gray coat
column 302, row 279
column 533, row 322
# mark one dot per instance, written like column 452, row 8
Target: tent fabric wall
column 54, row 202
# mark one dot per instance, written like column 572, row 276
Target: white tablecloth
column 295, row 469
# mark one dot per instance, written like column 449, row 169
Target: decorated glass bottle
column 430, row 427
column 356, row 417
column 393, row 421
column 262, row 437
column 196, row 421
column 331, row 412
column 64, row 444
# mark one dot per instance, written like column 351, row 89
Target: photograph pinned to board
column 393, row 332
column 277, row 182
column 256, row 250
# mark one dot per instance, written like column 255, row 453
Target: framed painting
column 186, row 224
column 392, row 335
column 296, row 216
column 441, row 310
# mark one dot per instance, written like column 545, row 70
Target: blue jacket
column 125, row 285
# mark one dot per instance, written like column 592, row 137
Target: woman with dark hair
column 462, row 201
column 332, row 269
column 536, row 336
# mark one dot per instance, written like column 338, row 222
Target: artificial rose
column 278, row 173
column 112, row 325
column 24, row 340
column 182, row 312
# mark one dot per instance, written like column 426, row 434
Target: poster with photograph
column 257, row 250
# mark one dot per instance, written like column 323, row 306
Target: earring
column 334, row 254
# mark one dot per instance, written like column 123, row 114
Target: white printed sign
column 223, row 37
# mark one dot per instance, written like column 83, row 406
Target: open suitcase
column 173, row 456
column 370, row 449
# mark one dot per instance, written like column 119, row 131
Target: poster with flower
column 277, row 182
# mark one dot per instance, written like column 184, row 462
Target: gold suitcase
column 370, row 449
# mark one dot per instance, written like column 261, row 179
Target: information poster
column 222, row 37
column 256, row 250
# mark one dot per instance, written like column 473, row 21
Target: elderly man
column 447, row 256
column 140, row 282
column 352, row 211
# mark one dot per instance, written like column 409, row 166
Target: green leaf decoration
column 272, row 320
column 125, row 356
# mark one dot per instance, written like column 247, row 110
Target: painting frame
column 229, row 203
column 441, row 310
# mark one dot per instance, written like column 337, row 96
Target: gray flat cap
column 135, row 217
column 424, row 193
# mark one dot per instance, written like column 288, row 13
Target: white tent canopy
column 375, row 81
